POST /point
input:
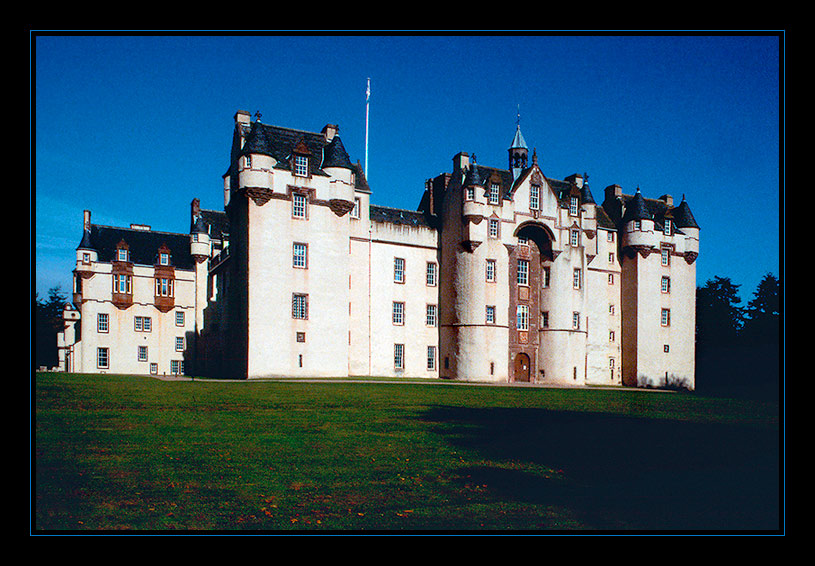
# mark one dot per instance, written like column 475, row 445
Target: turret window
column 494, row 193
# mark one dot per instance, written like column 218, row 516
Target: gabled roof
column 143, row 245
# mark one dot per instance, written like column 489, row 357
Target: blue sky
column 134, row 128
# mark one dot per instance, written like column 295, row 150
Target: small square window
column 490, row 314
column 179, row 318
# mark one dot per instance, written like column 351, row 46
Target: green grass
column 135, row 453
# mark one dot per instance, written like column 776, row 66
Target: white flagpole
column 367, row 104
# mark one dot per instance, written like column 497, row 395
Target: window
column 576, row 277
column 431, row 358
column 534, row 197
column 176, row 367
column 164, row 287
column 470, row 194
column 576, row 320
column 299, row 306
column 666, row 255
column 301, row 165
column 142, row 324
column 546, row 276
column 573, row 205
column 102, row 322
column 121, row 254
column 611, row 309
column 611, row 258
column 431, row 315
column 638, row 225
column 299, row 205
column 490, row 271
column 611, row 367
column 490, row 314
column 544, row 319
column 399, row 356
column 609, row 236
column 102, row 358
column 611, row 336
column 398, row 313
column 142, row 354
column 574, row 238
column 430, row 274
column 493, row 227
column 247, row 161
column 179, row 343
column 179, row 318
column 355, row 211
column 666, row 348
column 666, row 284
column 611, row 279
column 153, row 368
column 523, row 272
column 164, row 258
column 86, row 257
column 522, row 317
column 494, row 193
column 398, row 270
column 667, row 227
column 299, row 255
column 665, row 318
column 523, row 241
column 122, row 284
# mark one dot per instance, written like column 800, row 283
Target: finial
column 518, row 117
column 257, row 115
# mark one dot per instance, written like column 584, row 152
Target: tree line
column 739, row 348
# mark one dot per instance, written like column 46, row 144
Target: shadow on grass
column 615, row 472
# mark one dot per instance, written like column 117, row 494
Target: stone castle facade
column 500, row 275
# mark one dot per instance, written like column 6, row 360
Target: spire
column 518, row 151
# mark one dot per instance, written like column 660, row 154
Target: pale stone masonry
column 500, row 275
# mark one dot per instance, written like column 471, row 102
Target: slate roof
column 217, row 223
column 398, row 216
column 143, row 245
column 279, row 142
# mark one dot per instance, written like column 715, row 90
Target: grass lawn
column 124, row 452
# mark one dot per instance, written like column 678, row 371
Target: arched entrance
column 522, row 367
column 529, row 265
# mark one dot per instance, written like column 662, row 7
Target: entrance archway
column 523, row 368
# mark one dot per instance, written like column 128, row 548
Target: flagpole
column 367, row 104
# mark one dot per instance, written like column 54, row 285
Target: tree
column 47, row 324
column 718, row 316
column 762, row 323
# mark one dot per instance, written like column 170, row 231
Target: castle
column 500, row 275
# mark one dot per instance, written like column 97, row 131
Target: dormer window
column 121, row 254
column 301, row 165
column 164, row 258
column 494, row 193
column 573, row 206
column 668, row 227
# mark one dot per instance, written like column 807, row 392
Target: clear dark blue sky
column 134, row 128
